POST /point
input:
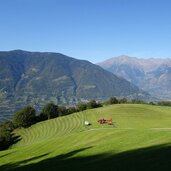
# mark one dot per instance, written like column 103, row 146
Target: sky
column 94, row 30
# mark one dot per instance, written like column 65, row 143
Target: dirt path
column 160, row 128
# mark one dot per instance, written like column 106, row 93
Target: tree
column 6, row 138
column 92, row 104
column 25, row 117
column 72, row 110
column 81, row 106
column 123, row 100
column 50, row 110
column 136, row 101
column 112, row 100
column 8, row 125
column 164, row 103
column 41, row 117
column 151, row 103
column 62, row 110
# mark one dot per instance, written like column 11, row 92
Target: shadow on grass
column 15, row 138
column 8, row 141
column 1, row 156
column 15, row 166
column 155, row 158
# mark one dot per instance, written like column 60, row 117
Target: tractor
column 102, row 121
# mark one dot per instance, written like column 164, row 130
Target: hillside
column 151, row 75
column 140, row 140
column 36, row 78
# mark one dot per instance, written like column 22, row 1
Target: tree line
column 27, row 116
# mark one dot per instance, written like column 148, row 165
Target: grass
column 134, row 144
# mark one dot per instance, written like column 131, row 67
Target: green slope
column 140, row 140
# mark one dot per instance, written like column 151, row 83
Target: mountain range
column 153, row 75
column 34, row 78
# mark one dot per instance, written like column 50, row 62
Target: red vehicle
column 102, row 121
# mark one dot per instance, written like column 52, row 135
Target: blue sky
column 93, row 30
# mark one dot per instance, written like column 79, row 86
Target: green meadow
column 139, row 140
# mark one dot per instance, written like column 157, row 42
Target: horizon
column 105, row 59
column 92, row 30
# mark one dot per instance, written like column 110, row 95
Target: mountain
column 152, row 75
column 36, row 78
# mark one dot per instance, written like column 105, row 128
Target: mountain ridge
column 151, row 75
column 36, row 78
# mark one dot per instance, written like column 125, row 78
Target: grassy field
column 140, row 140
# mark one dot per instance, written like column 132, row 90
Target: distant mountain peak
column 122, row 59
column 152, row 75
